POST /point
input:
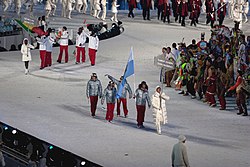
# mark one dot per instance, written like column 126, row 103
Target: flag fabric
column 30, row 28
column 129, row 70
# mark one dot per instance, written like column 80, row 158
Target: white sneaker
column 26, row 71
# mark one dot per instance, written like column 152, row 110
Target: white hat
column 157, row 87
column 182, row 138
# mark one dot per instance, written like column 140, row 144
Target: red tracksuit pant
column 210, row 98
column 80, row 50
column 93, row 104
column 48, row 59
column 222, row 101
column 140, row 114
column 92, row 55
column 43, row 58
column 124, row 104
column 63, row 48
column 110, row 111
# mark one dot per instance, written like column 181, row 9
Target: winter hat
column 182, row 138
column 94, row 75
column 157, row 87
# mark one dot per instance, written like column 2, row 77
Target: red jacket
column 223, row 9
column 132, row 3
column 167, row 9
column 184, row 9
column 194, row 11
column 160, row 2
column 238, row 82
column 211, row 82
column 146, row 4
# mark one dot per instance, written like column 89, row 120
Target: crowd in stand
column 210, row 68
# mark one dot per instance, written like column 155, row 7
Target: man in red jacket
column 221, row 11
column 131, row 6
column 240, row 95
column 146, row 5
column 160, row 9
column 183, row 11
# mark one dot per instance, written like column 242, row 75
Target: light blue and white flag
column 130, row 70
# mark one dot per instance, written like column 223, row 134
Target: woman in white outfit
column 85, row 6
column 26, row 55
column 79, row 4
column 114, row 11
column 97, row 8
column 159, row 108
column 49, row 6
column 103, row 3
column 70, row 7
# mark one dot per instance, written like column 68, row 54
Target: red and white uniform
column 49, row 48
column 93, row 47
column 42, row 50
column 80, row 46
column 64, row 46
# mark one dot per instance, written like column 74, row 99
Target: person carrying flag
column 123, row 98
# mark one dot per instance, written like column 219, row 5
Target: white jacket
column 25, row 50
column 70, row 4
column 48, row 5
column 49, row 44
column 81, row 39
column 159, row 107
column 79, row 2
column 93, row 42
column 41, row 42
column 64, row 38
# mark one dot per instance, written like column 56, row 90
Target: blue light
column 5, row 128
column 50, row 147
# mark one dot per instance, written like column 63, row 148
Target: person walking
column 63, row 45
column 93, row 47
column 131, row 5
column 26, row 55
column 179, row 153
column 94, row 89
column 110, row 95
column 183, row 11
column 80, row 45
column 221, row 11
column 123, row 98
column 193, row 13
column 159, row 108
column 240, row 95
column 166, row 11
column 104, row 9
column 114, row 11
column 146, row 5
column 142, row 97
column 42, row 50
column 160, row 8
column 49, row 48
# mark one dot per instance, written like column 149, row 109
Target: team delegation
column 141, row 95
